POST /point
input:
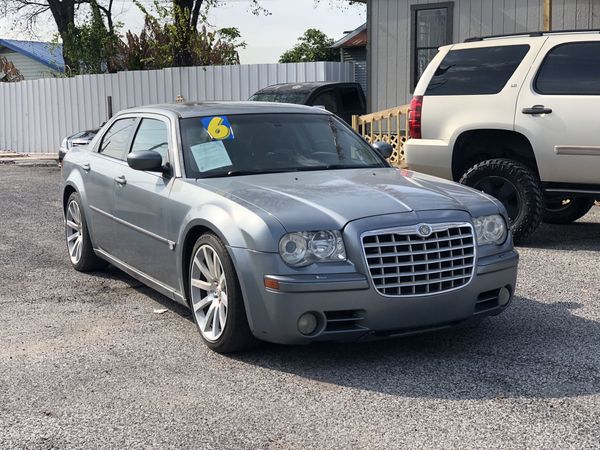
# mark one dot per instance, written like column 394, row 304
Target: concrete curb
column 20, row 159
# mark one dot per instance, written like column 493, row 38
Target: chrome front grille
column 403, row 262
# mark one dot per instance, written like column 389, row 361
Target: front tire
column 516, row 186
column 216, row 298
column 79, row 245
column 563, row 211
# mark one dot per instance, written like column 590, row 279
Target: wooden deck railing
column 390, row 125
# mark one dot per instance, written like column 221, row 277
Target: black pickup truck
column 342, row 99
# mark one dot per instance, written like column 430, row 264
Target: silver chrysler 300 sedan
column 277, row 222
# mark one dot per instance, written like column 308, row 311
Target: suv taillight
column 414, row 117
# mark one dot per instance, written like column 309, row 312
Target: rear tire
column 79, row 245
column 516, row 186
column 216, row 298
column 564, row 211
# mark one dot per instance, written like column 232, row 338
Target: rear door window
column 115, row 141
column 570, row 69
column 476, row 71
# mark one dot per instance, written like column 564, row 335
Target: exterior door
column 99, row 173
column 559, row 110
column 142, row 208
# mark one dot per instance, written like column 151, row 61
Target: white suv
column 517, row 117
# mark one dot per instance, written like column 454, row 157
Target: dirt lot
column 85, row 362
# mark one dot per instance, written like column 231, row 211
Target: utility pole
column 547, row 15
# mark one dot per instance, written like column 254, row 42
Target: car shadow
column 113, row 273
column 533, row 350
column 575, row 236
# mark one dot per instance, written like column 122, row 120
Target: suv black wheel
column 516, row 186
column 566, row 210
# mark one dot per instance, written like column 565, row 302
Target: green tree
column 313, row 45
column 164, row 39
column 94, row 44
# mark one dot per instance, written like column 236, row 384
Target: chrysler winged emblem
column 424, row 230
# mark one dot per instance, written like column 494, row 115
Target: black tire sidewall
column 525, row 181
column 578, row 208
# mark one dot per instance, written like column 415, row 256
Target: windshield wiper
column 336, row 166
column 235, row 173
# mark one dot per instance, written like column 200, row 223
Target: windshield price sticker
column 218, row 128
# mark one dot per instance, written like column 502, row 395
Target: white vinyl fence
column 36, row 115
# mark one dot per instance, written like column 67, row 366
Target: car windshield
column 265, row 143
column 280, row 97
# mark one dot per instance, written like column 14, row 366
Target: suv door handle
column 86, row 167
column 121, row 180
column 537, row 109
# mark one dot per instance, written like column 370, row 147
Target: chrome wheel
column 209, row 293
column 74, row 231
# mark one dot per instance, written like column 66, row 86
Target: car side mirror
column 145, row 160
column 384, row 149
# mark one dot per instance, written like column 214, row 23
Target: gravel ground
column 85, row 361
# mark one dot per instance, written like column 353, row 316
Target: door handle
column 537, row 109
column 86, row 167
column 121, row 180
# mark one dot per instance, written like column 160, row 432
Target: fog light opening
column 307, row 323
column 503, row 296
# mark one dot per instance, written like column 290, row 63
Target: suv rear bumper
column 429, row 156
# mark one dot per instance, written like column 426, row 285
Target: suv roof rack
column 531, row 34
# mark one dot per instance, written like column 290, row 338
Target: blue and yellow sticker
column 218, row 128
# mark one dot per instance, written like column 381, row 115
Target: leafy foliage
column 166, row 41
column 313, row 45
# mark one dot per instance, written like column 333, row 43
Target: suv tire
column 516, row 186
column 559, row 212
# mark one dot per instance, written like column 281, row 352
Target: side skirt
column 141, row 276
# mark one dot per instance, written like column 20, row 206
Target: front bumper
column 349, row 308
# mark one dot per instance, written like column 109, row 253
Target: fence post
column 109, row 107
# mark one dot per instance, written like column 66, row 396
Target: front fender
column 236, row 226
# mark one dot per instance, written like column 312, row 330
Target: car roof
column 533, row 34
column 195, row 109
column 304, row 87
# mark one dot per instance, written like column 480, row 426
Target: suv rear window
column 476, row 71
column 571, row 69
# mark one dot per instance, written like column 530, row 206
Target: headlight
column 302, row 249
column 490, row 229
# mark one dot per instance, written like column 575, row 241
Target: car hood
column 336, row 197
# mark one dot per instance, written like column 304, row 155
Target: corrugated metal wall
column 389, row 27
column 36, row 115
column 358, row 55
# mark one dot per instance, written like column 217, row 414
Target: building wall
column 389, row 27
column 29, row 68
column 358, row 56
column 37, row 114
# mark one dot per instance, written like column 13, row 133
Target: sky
column 267, row 36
